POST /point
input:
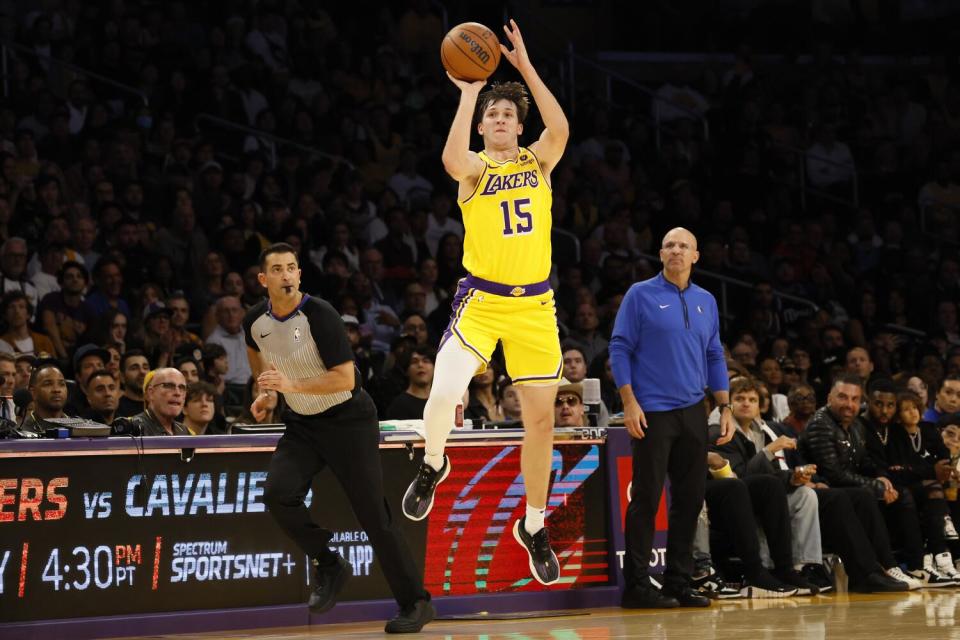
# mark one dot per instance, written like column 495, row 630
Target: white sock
column 435, row 460
column 534, row 520
column 451, row 375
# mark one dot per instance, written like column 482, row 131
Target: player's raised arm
column 549, row 148
column 459, row 161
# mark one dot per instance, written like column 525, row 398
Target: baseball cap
column 349, row 319
column 155, row 309
column 89, row 349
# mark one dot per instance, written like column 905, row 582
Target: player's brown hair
column 515, row 92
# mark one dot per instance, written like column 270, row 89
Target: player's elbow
column 454, row 165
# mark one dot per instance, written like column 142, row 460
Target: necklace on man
column 884, row 434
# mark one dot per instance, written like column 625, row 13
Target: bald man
column 664, row 352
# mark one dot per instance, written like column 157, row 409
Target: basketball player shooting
column 505, row 197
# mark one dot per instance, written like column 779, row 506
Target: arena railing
column 6, row 46
column 727, row 281
column 260, row 133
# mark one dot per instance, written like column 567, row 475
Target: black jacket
column 840, row 454
column 915, row 466
column 744, row 458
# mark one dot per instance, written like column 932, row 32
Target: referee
column 297, row 345
column 665, row 350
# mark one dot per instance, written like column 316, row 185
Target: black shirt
column 128, row 407
column 406, row 407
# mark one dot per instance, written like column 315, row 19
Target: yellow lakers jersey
column 507, row 221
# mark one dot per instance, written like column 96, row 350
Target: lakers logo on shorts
column 516, row 292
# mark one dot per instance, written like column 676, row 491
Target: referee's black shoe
column 543, row 561
column 411, row 619
column 418, row 500
column 330, row 580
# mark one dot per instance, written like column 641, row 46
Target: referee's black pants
column 675, row 445
column 348, row 441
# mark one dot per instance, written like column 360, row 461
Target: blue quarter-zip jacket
column 666, row 344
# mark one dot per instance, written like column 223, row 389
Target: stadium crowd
column 131, row 223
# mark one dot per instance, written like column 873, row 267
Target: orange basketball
column 470, row 51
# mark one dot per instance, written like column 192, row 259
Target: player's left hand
column 727, row 428
column 275, row 379
column 518, row 57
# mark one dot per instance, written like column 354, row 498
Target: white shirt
column 436, row 231
column 829, row 166
column 236, row 347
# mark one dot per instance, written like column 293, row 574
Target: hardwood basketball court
column 927, row 614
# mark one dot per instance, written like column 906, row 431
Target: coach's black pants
column 348, row 441
column 676, row 445
column 852, row 526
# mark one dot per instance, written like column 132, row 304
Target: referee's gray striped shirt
column 297, row 344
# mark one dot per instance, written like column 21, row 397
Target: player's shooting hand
column 274, row 379
column 518, row 57
column 634, row 420
column 466, row 85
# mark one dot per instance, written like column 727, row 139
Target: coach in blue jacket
column 665, row 351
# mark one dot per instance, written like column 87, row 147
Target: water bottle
column 458, row 417
column 591, row 400
column 839, row 572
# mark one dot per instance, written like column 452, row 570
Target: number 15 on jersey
column 516, row 209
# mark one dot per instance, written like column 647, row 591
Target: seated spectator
column 273, row 407
column 508, row 399
column 878, row 419
column 835, row 440
column 61, row 312
column 919, row 464
column 229, row 335
column 216, row 364
column 409, row 404
column 568, row 407
column 8, row 384
column 49, row 390
column 574, row 362
column 860, row 364
column 946, row 401
column 87, row 359
column 24, row 364
column 164, row 391
column 757, row 449
column 103, row 397
column 113, row 364
column 414, row 324
column 157, row 340
column 482, row 403
column 188, row 367
column 802, row 402
column 586, row 331
column 106, row 294
column 134, row 367
column 180, row 315
column 112, row 326
column 18, row 338
column 199, row 409
column 734, row 530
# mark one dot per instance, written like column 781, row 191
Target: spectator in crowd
column 61, row 312
column 49, row 390
column 409, row 404
column 19, row 338
column 113, row 364
column 134, row 367
column 946, row 401
column 273, row 405
column 13, row 267
column 107, row 291
column 414, row 324
column 24, row 364
column 199, row 409
column 8, row 384
column 879, row 418
column 508, row 399
column 482, row 403
column 835, row 440
column 920, row 464
column 45, row 280
column 574, row 363
column 86, row 359
column 157, row 339
column 757, row 449
column 586, row 332
column 164, row 391
column 216, row 364
column 568, row 407
column 180, row 315
column 103, row 396
column 802, row 402
column 860, row 364
column 229, row 335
